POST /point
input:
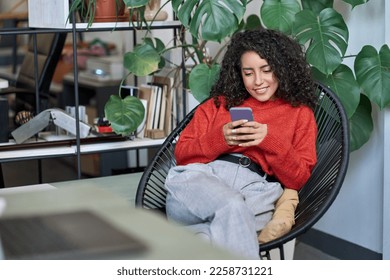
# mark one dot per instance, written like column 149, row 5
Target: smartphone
column 241, row 113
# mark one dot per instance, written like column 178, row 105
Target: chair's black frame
column 315, row 197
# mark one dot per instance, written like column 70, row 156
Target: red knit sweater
column 288, row 151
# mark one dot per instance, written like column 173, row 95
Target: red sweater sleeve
column 202, row 140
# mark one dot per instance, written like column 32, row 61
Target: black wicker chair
column 315, row 197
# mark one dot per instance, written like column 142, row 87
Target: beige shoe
column 283, row 217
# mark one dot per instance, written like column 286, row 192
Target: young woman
column 229, row 174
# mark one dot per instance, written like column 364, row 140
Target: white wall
column 357, row 215
column 386, row 154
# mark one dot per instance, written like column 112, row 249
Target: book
column 163, row 105
column 157, row 107
column 140, row 133
column 168, row 93
column 174, row 119
column 161, row 123
column 147, row 93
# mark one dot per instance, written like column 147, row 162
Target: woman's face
column 259, row 79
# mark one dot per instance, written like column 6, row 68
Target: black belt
column 246, row 162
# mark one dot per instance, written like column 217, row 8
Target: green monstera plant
column 315, row 24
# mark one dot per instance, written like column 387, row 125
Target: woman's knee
column 236, row 203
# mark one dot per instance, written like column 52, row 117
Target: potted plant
column 315, row 24
column 98, row 10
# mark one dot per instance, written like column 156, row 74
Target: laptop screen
column 71, row 235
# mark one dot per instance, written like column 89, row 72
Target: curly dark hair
column 286, row 59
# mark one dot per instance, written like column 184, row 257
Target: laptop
column 71, row 235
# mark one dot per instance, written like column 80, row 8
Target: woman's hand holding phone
column 241, row 113
column 243, row 130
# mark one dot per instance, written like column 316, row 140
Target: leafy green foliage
column 317, row 6
column 252, row 22
column 135, row 3
column 159, row 47
column 279, row 14
column 355, row 3
column 209, row 19
column 125, row 115
column 327, row 34
column 373, row 74
column 361, row 124
column 343, row 83
column 143, row 60
column 208, row 76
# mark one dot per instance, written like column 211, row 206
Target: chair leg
column 265, row 255
column 281, row 251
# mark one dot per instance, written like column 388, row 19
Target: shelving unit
column 58, row 19
column 11, row 155
column 78, row 149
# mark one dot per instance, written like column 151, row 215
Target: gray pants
column 223, row 201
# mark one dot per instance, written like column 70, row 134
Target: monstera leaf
column 361, row 124
column 343, row 83
column 143, row 60
column 202, row 78
column 213, row 19
column 373, row 74
column 327, row 35
column 252, row 22
column 125, row 115
column 317, row 6
column 279, row 14
column 355, row 3
column 159, row 46
column 135, row 3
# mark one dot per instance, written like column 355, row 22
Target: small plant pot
column 109, row 11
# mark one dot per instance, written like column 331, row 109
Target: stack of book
column 157, row 97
